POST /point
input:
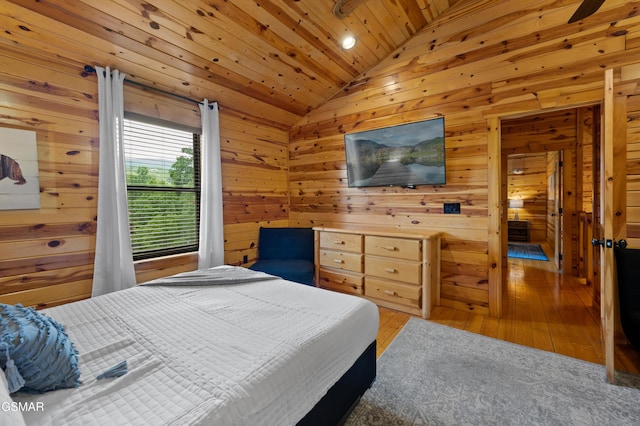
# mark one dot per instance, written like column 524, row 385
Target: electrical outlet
column 451, row 208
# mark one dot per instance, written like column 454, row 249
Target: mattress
column 258, row 351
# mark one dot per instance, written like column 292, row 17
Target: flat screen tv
column 405, row 155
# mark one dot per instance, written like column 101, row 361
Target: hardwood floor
column 543, row 309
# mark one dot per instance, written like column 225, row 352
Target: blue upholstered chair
column 287, row 253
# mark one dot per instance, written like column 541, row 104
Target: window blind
column 163, row 188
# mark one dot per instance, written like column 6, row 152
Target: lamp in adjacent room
column 515, row 203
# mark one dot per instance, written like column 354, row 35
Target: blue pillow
column 40, row 349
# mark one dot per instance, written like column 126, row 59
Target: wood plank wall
column 254, row 178
column 585, row 139
column 479, row 61
column 46, row 255
column 502, row 60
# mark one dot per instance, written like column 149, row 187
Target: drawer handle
column 343, row 281
column 338, row 260
column 389, row 248
column 338, row 242
column 390, row 270
column 390, row 292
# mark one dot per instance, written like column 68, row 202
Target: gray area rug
column 433, row 374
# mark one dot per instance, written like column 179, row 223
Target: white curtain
column 113, row 266
column 211, row 224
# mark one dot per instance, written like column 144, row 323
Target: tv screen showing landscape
column 404, row 155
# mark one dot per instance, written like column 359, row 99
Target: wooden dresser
column 392, row 269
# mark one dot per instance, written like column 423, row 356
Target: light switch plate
column 451, row 208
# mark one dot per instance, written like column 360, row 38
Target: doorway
column 549, row 164
column 534, row 204
column 613, row 217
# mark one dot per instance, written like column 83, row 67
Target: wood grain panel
column 270, row 62
column 506, row 62
column 288, row 94
column 47, row 254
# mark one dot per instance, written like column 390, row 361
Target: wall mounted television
column 405, row 155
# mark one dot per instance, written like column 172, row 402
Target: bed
column 224, row 346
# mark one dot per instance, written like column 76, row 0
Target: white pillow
column 9, row 414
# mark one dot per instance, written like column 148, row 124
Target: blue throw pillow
column 39, row 348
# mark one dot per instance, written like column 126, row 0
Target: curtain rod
column 90, row 69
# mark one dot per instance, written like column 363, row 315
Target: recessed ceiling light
column 348, row 42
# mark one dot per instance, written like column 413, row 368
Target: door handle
column 622, row 244
column 609, row 243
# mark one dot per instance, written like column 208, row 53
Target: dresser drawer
column 344, row 282
column 404, row 294
column 342, row 242
column 398, row 248
column 394, row 269
column 341, row 260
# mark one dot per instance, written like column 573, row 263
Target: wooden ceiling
column 271, row 60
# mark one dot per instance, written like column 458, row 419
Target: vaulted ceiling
column 272, row 60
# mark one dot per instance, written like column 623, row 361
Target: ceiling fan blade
column 587, row 8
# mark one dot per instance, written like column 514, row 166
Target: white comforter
column 249, row 353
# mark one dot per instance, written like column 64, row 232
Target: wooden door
column 612, row 190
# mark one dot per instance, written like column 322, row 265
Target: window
column 163, row 188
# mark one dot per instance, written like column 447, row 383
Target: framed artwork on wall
column 19, row 182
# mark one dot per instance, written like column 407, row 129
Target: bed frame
column 341, row 399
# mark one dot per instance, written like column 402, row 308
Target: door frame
column 558, row 218
column 606, row 217
column 614, row 112
column 567, row 192
column 613, row 187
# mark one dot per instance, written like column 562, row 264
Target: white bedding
column 250, row 353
